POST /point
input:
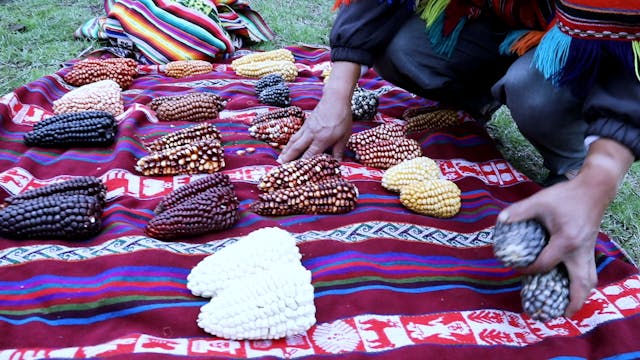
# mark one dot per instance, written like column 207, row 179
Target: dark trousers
column 477, row 79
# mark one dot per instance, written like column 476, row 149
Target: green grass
column 47, row 41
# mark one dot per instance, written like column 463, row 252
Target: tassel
column 527, row 42
column 339, row 3
column 431, row 10
column 581, row 68
column 635, row 45
column 506, row 48
column 444, row 44
column 552, row 53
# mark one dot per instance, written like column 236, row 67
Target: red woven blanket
column 388, row 283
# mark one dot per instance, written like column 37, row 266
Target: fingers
column 296, row 146
column 581, row 286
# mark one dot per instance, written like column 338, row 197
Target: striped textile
column 388, row 283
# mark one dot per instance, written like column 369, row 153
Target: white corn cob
column 104, row 95
column 254, row 253
column 413, row 170
column 272, row 304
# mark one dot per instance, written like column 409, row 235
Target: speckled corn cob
column 286, row 69
column 364, row 104
column 204, row 156
column 387, row 153
column 185, row 136
column 276, row 95
column 104, row 95
column 192, row 189
column 331, row 196
column 409, row 171
column 213, row 210
column 437, row 198
column 418, row 119
column 120, row 70
column 83, row 185
column 252, row 254
column 191, row 107
column 184, row 68
column 518, row 244
column 272, row 55
column 72, row 217
column 268, row 81
column 545, row 296
column 89, row 128
column 277, row 126
column 277, row 304
column 299, row 172
column 381, row 132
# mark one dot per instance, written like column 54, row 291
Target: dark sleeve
column 365, row 27
column 613, row 108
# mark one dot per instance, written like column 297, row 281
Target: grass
column 46, row 41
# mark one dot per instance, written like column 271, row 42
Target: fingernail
column 503, row 216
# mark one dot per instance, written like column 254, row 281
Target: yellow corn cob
column 409, row 171
column 184, row 68
column 438, row 198
column 287, row 69
column 274, row 55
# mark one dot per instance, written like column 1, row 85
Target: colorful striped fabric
column 388, row 283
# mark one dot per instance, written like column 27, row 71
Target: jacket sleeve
column 613, row 108
column 364, row 27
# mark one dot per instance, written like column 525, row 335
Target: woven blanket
column 388, row 283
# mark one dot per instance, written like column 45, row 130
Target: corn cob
column 418, row 119
column 184, row 68
column 203, row 156
column 276, row 95
column 192, row 189
column 83, row 185
column 268, row 81
column 518, row 244
column 272, row 55
column 326, row 73
column 286, row 69
column 277, row 303
column 191, row 107
column 120, row 70
column 72, row 217
column 252, row 254
column 277, row 126
column 409, row 171
column 331, row 196
column 438, row 198
column 104, row 95
column 387, row 153
column 364, row 104
column 213, row 210
column 299, row 172
column 545, row 296
column 368, row 137
column 182, row 137
column 89, row 128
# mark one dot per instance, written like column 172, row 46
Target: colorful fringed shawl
column 572, row 36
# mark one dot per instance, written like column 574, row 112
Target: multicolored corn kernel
column 518, row 244
column 204, row 156
column 276, row 95
column 88, row 128
column 286, row 69
column 277, row 126
column 272, row 55
column 387, row 153
column 438, row 198
column 299, row 172
column 104, row 95
column 83, row 185
column 364, row 104
column 545, row 296
column 184, row 68
column 193, row 107
column 120, row 70
column 331, row 196
column 268, row 81
column 381, row 132
column 185, row 136
column 409, row 171
column 428, row 118
column 213, row 210
column 192, row 189
column 70, row 217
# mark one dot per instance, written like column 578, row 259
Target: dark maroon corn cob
column 193, row 189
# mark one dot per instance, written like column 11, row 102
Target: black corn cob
column 70, row 217
column 92, row 128
column 193, row 189
column 276, row 95
column 83, row 185
column 268, row 81
column 364, row 104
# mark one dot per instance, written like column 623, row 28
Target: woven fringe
column 635, row 46
column 527, row 42
column 432, row 11
column 444, row 44
column 552, row 53
column 506, row 48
